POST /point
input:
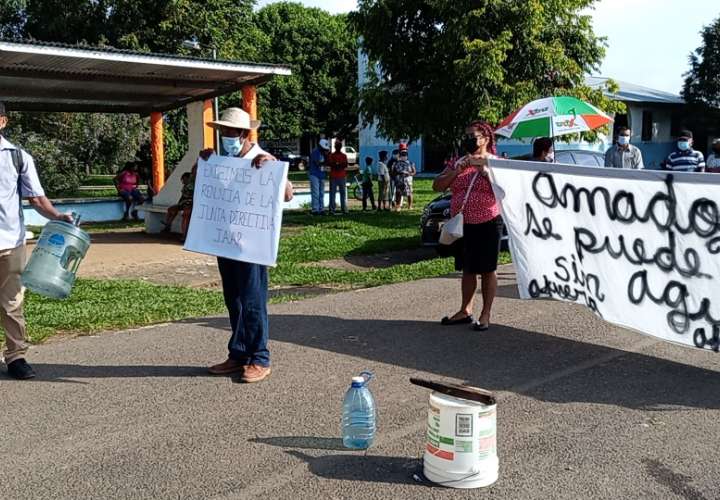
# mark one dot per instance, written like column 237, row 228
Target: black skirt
column 477, row 251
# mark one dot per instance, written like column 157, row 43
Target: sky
column 646, row 43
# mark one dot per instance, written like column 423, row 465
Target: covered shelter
column 40, row 76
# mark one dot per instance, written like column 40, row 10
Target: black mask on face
column 469, row 143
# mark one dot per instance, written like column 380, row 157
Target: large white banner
column 639, row 248
column 237, row 209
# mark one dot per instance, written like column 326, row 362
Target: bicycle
column 356, row 188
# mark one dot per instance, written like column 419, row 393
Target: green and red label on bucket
column 471, row 433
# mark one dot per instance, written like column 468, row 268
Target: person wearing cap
column 404, row 171
column 713, row 161
column 245, row 285
column 318, row 159
column 685, row 158
column 623, row 154
column 18, row 179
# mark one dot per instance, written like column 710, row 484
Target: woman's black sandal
column 446, row 321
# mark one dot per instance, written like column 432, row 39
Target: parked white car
column 351, row 154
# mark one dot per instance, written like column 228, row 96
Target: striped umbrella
column 552, row 117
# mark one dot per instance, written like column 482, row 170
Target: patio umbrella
column 552, row 117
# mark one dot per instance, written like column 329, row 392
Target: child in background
column 367, row 184
column 383, row 174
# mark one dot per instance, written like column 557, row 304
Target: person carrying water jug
column 245, row 285
column 18, row 179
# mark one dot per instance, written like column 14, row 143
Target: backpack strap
column 18, row 162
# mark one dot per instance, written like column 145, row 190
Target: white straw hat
column 235, row 118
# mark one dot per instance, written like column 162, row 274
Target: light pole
column 195, row 45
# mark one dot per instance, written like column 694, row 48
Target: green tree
column 321, row 95
column 11, row 18
column 66, row 146
column 437, row 65
column 152, row 25
column 702, row 82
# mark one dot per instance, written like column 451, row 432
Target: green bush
column 60, row 173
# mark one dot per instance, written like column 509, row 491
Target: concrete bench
column 155, row 218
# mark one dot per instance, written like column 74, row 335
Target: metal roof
column 630, row 92
column 54, row 77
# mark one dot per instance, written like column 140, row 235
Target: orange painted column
column 208, row 132
column 249, row 93
column 157, row 149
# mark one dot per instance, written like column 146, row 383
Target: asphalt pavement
column 586, row 410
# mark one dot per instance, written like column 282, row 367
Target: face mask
column 623, row 140
column 683, row 145
column 469, row 144
column 232, row 145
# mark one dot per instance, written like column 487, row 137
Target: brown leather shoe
column 227, row 367
column 255, row 373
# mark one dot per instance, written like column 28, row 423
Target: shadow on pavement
column 507, row 359
column 302, row 442
column 679, row 484
column 362, row 467
column 49, row 372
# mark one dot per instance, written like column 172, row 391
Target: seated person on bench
column 126, row 183
column 184, row 204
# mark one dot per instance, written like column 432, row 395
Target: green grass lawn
column 100, row 227
column 311, row 239
column 297, row 175
column 97, row 305
column 95, row 193
column 98, row 180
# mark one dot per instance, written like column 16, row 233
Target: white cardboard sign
column 639, row 248
column 237, row 209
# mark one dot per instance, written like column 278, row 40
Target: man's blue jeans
column 338, row 185
column 317, row 194
column 245, row 287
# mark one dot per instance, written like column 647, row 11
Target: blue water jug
column 359, row 415
column 53, row 265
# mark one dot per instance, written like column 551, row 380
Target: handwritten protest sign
column 639, row 248
column 237, row 209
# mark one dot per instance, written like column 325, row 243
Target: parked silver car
column 437, row 212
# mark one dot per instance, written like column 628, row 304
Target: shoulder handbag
column 453, row 229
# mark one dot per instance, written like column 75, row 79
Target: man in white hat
column 245, row 285
column 316, row 174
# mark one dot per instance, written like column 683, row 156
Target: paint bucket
column 461, row 447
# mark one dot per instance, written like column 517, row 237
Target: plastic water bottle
column 359, row 415
column 53, row 265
